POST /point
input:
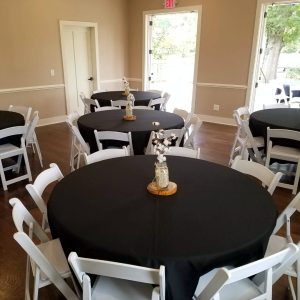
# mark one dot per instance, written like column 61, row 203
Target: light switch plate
column 216, row 107
column 52, row 72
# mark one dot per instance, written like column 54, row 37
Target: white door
column 77, row 42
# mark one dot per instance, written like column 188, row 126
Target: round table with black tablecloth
column 218, row 217
column 141, row 98
column 11, row 119
column 280, row 118
column 112, row 120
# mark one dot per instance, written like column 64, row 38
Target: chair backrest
column 160, row 101
column 21, row 215
column 144, row 107
column 87, row 103
column 79, row 138
column 156, row 91
column 178, row 132
column 184, row 152
column 99, row 91
column 167, row 97
column 18, row 130
column 31, row 129
column 118, row 103
column 197, row 124
column 273, row 106
column 243, row 111
column 81, row 266
column 113, row 135
column 282, row 134
column 274, row 265
column 184, row 114
column 24, row 111
column 259, row 171
column 41, row 182
column 105, row 154
column 106, row 108
column 73, row 117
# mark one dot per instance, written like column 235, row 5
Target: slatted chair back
column 73, row 117
column 184, row 114
column 104, row 108
column 273, row 266
column 118, row 103
column 196, row 122
column 258, row 171
column 113, row 135
column 144, row 107
column 37, row 188
column 87, row 103
column 243, row 111
column 21, row 215
column 17, row 130
column 274, row 106
column 167, row 97
column 24, row 111
column 105, row 154
column 158, row 101
column 80, row 139
column 81, row 266
column 282, row 134
column 184, row 152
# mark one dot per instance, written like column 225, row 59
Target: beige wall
column 226, row 40
column 30, row 47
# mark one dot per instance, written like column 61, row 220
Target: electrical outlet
column 52, row 72
column 216, row 107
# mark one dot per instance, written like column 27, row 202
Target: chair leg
column 3, row 176
column 233, row 150
column 36, row 284
column 72, row 155
column 290, row 284
column 38, row 151
column 78, row 158
column 33, row 150
column 19, row 164
column 27, row 165
column 296, row 182
column 27, row 293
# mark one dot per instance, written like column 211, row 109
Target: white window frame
column 146, row 19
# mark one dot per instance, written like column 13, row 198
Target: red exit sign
column 170, row 3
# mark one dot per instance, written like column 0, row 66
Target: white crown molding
column 32, row 88
column 224, row 86
column 49, row 121
column 121, row 80
column 217, row 120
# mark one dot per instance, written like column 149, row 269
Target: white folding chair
column 37, row 188
column 282, row 96
column 184, row 152
column 105, row 154
column 277, row 243
column 158, row 101
column 47, row 259
column 78, row 145
column 118, row 103
column 184, row 114
column 32, row 139
column 224, row 284
column 99, row 91
column 104, row 108
column 293, row 99
column 246, row 141
column 87, row 103
column 24, row 111
column 258, row 171
column 284, row 153
column 191, row 132
column 274, row 106
column 118, row 281
column 144, row 107
column 73, row 118
column 116, row 136
column 156, row 91
column 178, row 132
column 9, row 150
column 167, row 97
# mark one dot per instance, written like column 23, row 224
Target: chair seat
column 285, row 152
column 8, row 148
column 116, row 289
column 276, row 244
column 53, row 251
column 259, row 141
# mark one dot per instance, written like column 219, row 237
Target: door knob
column 91, row 79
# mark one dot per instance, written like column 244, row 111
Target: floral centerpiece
column 130, row 104
column 161, row 148
column 126, row 86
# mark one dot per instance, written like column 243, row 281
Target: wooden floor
column 215, row 142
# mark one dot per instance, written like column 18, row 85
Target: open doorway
column 276, row 76
column 172, row 51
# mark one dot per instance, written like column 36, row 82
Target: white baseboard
column 49, row 121
column 217, row 120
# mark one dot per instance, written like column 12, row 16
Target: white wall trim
column 224, row 86
column 135, row 79
column 32, row 88
column 112, row 81
column 49, row 121
column 217, row 120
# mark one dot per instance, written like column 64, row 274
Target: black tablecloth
column 11, row 119
column 218, row 217
column 141, row 98
column 280, row 118
column 112, row 120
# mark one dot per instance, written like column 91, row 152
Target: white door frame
column 94, row 50
column 146, row 17
column 256, row 44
